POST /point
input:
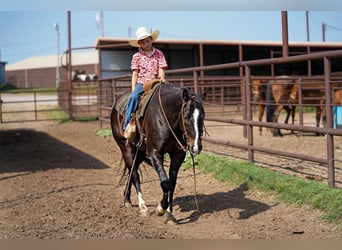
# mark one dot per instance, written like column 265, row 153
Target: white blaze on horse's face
column 195, row 147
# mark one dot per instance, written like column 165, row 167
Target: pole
column 56, row 26
column 99, row 20
column 69, row 68
column 285, row 34
column 308, row 39
column 329, row 124
column 323, row 31
column 307, row 26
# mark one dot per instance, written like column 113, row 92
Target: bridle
column 182, row 115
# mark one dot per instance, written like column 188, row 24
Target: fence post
column 35, row 105
column 300, row 103
column 329, row 123
column 248, row 112
column 0, row 109
column 195, row 74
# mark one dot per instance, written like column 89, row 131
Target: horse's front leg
column 157, row 161
column 276, row 131
column 176, row 161
column 261, row 114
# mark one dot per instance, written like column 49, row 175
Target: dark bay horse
column 285, row 92
column 261, row 90
column 172, row 123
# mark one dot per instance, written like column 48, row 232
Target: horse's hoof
column 170, row 219
column 160, row 211
column 145, row 213
column 128, row 205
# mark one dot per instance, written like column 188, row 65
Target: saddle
column 149, row 89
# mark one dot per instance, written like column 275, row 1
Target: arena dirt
column 62, row 182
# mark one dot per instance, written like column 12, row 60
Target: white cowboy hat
column 142, row 33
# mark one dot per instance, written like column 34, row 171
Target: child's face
column 146, row 43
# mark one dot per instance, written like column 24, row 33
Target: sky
column 28, row 31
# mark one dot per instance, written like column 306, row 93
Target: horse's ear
column 186, row 94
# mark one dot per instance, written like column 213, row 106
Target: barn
column 41, row 71
column 115, row 55
column 111, row 57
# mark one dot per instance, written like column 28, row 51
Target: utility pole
column 323, row 31
column 69, row 68
column 56, row 27
column 99, row 20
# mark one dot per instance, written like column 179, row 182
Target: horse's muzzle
column 196, row 149
column 256, row 97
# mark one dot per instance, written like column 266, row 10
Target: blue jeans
column 133, row 102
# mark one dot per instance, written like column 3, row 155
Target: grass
column 56, row 114
column 13, row 90
column 287, row 188
column 104, row 132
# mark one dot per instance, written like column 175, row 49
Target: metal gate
column 79, row 103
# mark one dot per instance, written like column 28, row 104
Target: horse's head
column 193, row 121
column 256, row 90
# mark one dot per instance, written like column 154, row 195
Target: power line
column 318, row 24
column 332, row 27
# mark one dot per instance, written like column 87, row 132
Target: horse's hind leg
column 142, row 205
column 290, row 110
column 134, row 179
column 320, row 113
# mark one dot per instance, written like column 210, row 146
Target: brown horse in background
column 337, row 97
column 261, row 90
column 285, row 92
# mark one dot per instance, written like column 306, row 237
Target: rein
column 168, row 123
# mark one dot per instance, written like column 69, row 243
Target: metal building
column 2, row 73
column 40, row 71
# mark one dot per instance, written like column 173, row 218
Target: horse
column 261, row 93
column 285, row 92
column 172, row 124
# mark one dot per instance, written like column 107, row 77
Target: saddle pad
column 121, row 104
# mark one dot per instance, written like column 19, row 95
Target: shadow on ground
column 29, row 150
column 210, row 203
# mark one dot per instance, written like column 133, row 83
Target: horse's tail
column 270, row 103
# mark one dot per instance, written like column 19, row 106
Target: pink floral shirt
column 148, row 66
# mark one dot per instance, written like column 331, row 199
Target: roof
column 50, row 61
column 123, row 42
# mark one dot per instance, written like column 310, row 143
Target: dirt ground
column 61, row 182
